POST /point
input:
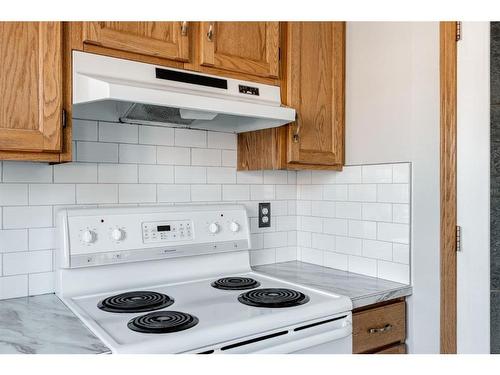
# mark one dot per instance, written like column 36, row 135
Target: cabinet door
column 161, row 39
column 30, row 86
column 315, row 88
column 242, row 47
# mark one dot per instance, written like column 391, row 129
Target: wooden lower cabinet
column 380, row 328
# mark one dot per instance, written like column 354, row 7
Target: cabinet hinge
column 279, row 53
column 63, row 118
column 459, row 238
column 459, row 31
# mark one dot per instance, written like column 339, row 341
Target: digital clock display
column 163, row 228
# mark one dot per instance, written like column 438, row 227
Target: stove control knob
column 234, row 226
column 117, row 234
column 88, row 236
column 213, row 228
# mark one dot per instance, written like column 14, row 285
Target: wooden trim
column 448, row 119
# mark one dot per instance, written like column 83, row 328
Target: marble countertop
column 43, row 324
column 363, row 290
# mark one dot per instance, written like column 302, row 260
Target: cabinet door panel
column 161, row 39
column 30, row 86
column 243, row 47
column 315, row 88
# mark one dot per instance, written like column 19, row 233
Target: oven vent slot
column 257, row 339
column 207, row 352
column 318, row 323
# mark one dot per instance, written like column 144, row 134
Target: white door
column 473, row 188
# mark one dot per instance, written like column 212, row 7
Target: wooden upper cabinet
column 30, row 87
column 241, row 47
column 169, row 40
column 314, row 86
column 313, row 83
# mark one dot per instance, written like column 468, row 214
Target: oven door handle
column 306, row 342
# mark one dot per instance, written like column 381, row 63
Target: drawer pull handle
column 383, row 329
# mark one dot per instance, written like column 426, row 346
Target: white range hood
column 112, row 89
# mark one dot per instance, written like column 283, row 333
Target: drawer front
column 395, row 349
column 378, row 327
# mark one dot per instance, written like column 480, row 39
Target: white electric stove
column 178, row 280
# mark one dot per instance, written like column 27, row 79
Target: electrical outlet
column 264, row 215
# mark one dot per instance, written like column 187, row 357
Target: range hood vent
column 112, row 89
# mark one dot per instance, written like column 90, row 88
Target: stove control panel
column 167, row 231
column 97, row 236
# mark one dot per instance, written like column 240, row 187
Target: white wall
column 392, row 115
column 473, row 189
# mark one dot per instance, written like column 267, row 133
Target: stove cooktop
column 197, row 315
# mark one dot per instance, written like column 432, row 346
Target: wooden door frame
column 448, row 186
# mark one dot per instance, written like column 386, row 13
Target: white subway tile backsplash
column 221, row 175
column 339, row 227
column 365, row 266
column 145, row 165
column 173, row 155
column 362, row 193
column 27, row 262
column 97, row 152
column 156, row 135
column 335, row 192
column 42, row 238
column 120, row 133
column 323, row 177
column 335, row 260
column 229, row 158
column 235, row 192
column 380, row 173
column 262, row 192
column 394, row 193
column 362, row 229
column 117, row 173
column 348, row 245
column 138, row 154
column 275, row 177
column 96, row 193
column 174, row 193
column 249, row 177
column 394, row 271
column 84, row 130
column 12, row 240
column 206, row 193
column 401, row 173
column 393, row 232
column 43, row 194
column 13, row 286
column 377, row 212
column 76, row 173
column 26, row 172
column 27, row 217
column 206, row 157
column 401, row 213
column 13, row 194
column 401, row 253
column 156, row 174
column 275, row 239
column 349, row 175
column 348, row 210
column 190, row 138
column 137, row 193
column 190, row 175
column 221, row 140
column 41, row 283
column 377, row 249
